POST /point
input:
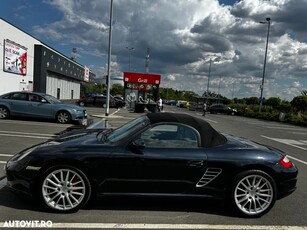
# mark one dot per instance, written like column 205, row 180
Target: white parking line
column 22, row 133
column 2, row 162
column 293, row 143
column 287, row 143
column 12, row 135
column 6, row 155
column 35, row 123
column 168, row 226
column 297, row 160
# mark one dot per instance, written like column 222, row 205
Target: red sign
column 86, row 74
column 142, row 78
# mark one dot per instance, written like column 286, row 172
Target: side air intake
column 210, row 175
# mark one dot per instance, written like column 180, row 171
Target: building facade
column 31, row 65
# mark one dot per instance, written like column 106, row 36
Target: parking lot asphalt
column 290, row 213
column 115, row 118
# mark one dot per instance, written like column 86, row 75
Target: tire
column 4, row 112
column 64, row 189
column 253, row 193
column 63, row 117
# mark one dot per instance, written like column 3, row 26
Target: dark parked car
column 220, row 108
column 40, row 105
column 119, row 103
column 158, row 154
column 99, row 100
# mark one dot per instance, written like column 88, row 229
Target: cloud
column 184, row 34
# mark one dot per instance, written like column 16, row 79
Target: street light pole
column 109, row 60
column 129, row 50
column 209, row 78
column 268, row 21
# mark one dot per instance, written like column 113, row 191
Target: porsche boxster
column 157, row 154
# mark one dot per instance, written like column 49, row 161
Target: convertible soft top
column 209, row 136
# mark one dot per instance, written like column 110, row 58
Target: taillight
column 284, row 161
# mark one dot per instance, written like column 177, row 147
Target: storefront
column 28, row 64
column 141, row 90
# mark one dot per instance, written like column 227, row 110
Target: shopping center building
column 31, row 65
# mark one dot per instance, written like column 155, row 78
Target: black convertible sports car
column 158, row 154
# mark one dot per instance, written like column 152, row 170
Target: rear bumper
column 286, row 188
column 287, row 182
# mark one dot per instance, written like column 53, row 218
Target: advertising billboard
column 15, row 58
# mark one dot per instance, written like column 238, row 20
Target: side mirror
column 43, row 101
column 137, row 145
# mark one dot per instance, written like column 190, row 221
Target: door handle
column 195, row 163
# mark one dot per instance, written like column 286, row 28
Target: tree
column 117, row 89
column 93, row 88
column 252, row 101
column 273, row 101
column 299, row 103
column 285, row 107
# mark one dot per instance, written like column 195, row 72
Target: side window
column 19, row 96
column 34, row 98
column 170, row 136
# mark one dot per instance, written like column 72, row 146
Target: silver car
column 40, row 105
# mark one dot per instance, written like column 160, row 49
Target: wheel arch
column 259, row 167
column 74, row 163
column 63, row 110
column 249, row 199
column 6, row 107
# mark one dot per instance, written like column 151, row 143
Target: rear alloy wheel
column 63, row 117
column 4, row 112
column 64, row 189
column 254, row 193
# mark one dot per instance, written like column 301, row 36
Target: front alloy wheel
column 63, row 117
column 65, row 189
column 254, row 193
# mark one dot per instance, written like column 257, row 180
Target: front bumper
column 21, row 177
column 80, row 119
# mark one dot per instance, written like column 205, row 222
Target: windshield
column 127, row 129
column 52, row 99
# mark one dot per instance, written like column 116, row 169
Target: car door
column 18, row 103
column 171, row 160
column 39, row 107
column 118, row 172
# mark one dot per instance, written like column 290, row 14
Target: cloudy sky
column 182, row 35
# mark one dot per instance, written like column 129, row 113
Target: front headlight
column 77, row 111
column 26, row 153
column 30, row 150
